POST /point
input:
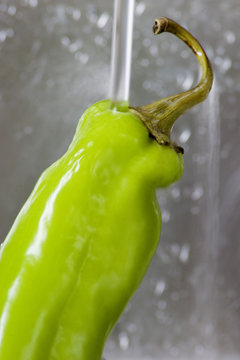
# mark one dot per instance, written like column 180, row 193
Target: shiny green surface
column 84, row 239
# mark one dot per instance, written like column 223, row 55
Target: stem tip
column 160, row 25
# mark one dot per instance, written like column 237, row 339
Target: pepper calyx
column 154, row 131
column 160, row 116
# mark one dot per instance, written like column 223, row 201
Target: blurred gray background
column 54, row 63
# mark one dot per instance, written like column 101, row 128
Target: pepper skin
column 84, row 239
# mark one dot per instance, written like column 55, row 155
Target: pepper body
column 84, row 239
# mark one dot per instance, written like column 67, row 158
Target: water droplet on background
column 224, row 64
column 197, row 193
column 12, row 10
column 76, row 14
column 184, row 136
column 3, row 35
column 102, row 20
column 175, row 249
column 73, row 47
column 160, row 287
column 165, row 216
column 184, row 253
column 31, row 3
column 123, row 340
column 140, row 8
column 65, row 40
column 132, row 328
column 147, row 85
column 175, row 192
column 153, row 50
column 82, row 57
column 92, row 16
column 100, row 41
column 230, row 37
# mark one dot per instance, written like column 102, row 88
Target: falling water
column 212, row 210
column 121, row 51
column 212, row 214
column 206, row 291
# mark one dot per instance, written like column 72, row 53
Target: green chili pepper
column 84, row 239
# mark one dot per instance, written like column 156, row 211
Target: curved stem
column 160, row 116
